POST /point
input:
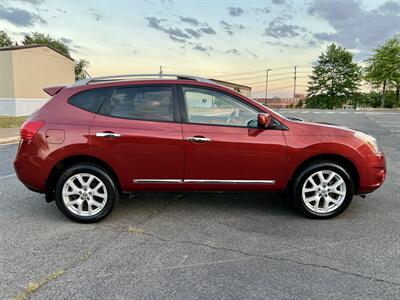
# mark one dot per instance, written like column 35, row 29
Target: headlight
column 369, row 140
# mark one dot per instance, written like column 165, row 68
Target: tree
column 5, row 40
column 383, row 68
column 80, row 66
column 41, row 39
column 335, row 79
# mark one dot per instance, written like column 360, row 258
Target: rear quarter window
column 89, row 100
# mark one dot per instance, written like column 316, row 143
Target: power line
column 225, row 74
column 273, row 80
column 261, row 76
column 243, row 73
column 257, row 71
column 281, row 88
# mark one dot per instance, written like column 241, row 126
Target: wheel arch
column 343, row 161
column 72, row 160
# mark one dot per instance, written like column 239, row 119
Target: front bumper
column 374, row 173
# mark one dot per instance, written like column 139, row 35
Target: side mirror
column 264, row 121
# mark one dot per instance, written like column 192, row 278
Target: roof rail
column 123, row 77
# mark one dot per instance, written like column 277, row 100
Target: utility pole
column 266, row 87
column 161, row 72
column 294, row 87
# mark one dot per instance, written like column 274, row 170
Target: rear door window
column 89, row 100
column 143, row 103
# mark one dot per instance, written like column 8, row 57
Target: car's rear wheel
column 322, row 190
column 86, row 193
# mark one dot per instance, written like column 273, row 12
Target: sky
column 230, row 40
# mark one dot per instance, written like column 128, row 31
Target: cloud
column 191, row 21
column 33, row 2
column 251, row 53
column 155, row 23
column 233, row 51
column 264, row 10
column 66, row 40
column 178, row 40
column 200, row 48
column 237, row 52
column 278, row 2
column 187, row 35
column 193, row 33
column 229, row 28
column 74, row 48
column 284, row 45
column 20, row 17
column 235, row 11
column 98, row 16
column 174, row 34
column 355, row 27
column 207, row 30
column 278, row 29
column 180, row 35
column 390, row 7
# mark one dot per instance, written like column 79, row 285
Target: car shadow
column 142, row 206
column 267, row 204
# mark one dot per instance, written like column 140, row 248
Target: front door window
column 209, row 107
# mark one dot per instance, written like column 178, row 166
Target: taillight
column 29, row 129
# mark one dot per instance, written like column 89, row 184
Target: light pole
column 294, row 87
column 266, row 87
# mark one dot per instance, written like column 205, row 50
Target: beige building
column 25, row 71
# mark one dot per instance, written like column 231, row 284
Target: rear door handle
column 198, row 139
column 108, row 134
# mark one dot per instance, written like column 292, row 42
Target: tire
column 86, row 193
column 322, row 199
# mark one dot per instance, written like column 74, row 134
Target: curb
column 10, row 140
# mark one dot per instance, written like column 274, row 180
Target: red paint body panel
column 145, row 150
column 235, row 153
column 160, row 150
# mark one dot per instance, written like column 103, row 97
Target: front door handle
column 108, row 134
column 198, row 139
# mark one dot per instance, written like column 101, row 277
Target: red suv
column 105, row 136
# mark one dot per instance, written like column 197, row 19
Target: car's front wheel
column 322, row 190
column 86, row 193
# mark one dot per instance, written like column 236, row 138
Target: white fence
column 20, row 106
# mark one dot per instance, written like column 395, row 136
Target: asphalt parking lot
column 209, row 246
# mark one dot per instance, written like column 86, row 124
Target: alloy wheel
column 84, row 194
column 324, row 191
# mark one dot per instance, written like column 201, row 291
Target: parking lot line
column 7, row 176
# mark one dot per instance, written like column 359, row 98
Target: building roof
column 12, row 48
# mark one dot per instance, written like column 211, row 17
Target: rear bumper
column 373, row 175
column 32, row 171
